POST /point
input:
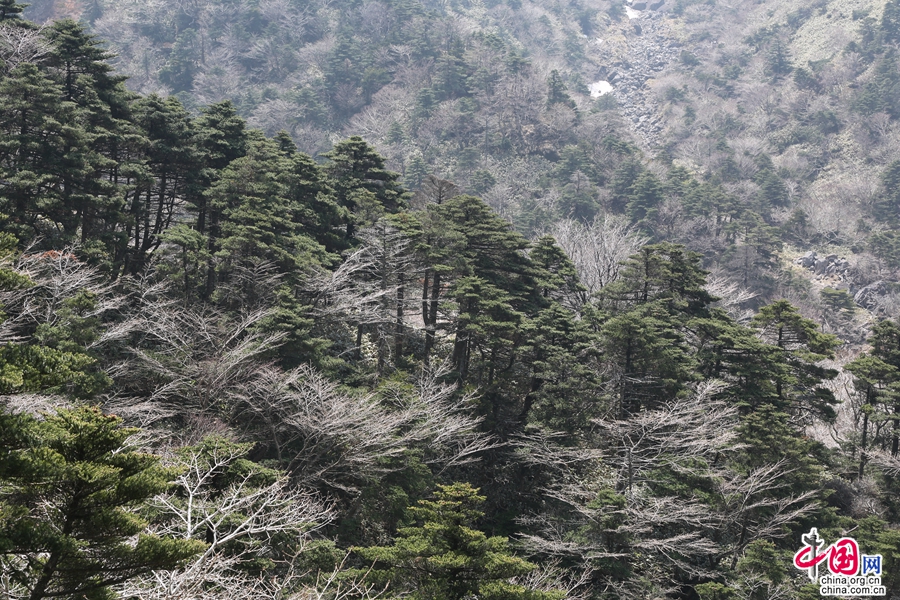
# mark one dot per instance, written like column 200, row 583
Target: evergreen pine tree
column 258, row 221
column 446, row 558
column 171, row 162
column 43, row 146
column 644, row 200
column 355, row 166
column 887, row 204
column 890, row 21
column 11, row 13
column 557, row 92
column 71, row 486
column 798, row 377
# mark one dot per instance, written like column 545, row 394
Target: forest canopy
column 232, row 366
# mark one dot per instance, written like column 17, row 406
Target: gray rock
column 639, row 6
column 657, row 5
column 821, row 265
column 868, row 296
column 808, row 260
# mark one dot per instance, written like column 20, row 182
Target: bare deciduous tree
column 238, row 524
column 21, row 45
column 689, row 438
column 597, row 249
column 339, row 441
column 187, row 361
column 732, row 296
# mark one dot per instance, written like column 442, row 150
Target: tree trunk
column 865, row 433
column 398, row 333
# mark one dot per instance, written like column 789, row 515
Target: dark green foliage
column 76, row 53
column 361, row 181
column 258, row 221
column 658, row 291
column 880, row 94
column 890, row 21
column 179, row 71
column 887, row 205
column 557, row 91
column 645, row 197
column 446, row 558
column 168, row 173
column 801, row 347
column 756, row 256
column 75, row 463
column 39, row 133
column 11, row 12
column 778, row 61
column 878, row 380
column 886, row 246
column 623, row 181
column 838, row 301
column 495, row 281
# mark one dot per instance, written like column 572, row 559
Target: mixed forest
column 340, row 300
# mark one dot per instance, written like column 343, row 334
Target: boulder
column 639, row 6
column 821, row 265
column 868, row 296
column 657, row 5
column 808, row 260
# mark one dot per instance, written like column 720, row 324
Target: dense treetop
column 230, row 368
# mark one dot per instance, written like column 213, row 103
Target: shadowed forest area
column 304, row 299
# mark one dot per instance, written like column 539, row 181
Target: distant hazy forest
column 338, row 300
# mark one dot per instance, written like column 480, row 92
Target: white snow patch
column 600, row 88
column 632, row 14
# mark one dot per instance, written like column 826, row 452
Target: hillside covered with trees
column 375, row 300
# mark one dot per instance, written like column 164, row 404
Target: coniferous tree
column 83, row 64
column 11, row 13
column 798, row 377
column 881, row 92
column 658, row 292
column 183, row 62
column 221, row 137
column 356, row 167
column 447, row 558
column 494, row 284
column 41, row 143
column 68, row 526
column 168, row 177
column 644, row 200
column 890, row 21
column 878, row 374
column 257, row 218
column 308, row 188
column 557, row 91
column 887, row 205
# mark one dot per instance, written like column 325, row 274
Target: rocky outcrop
column 808, row 260
column 869, row 296
column 651, row 49
column 825, row 266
